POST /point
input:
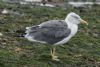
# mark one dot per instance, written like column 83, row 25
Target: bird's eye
column 75, row 17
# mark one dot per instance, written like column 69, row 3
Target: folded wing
column 51, row 31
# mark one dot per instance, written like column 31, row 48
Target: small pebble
column 4, row 11
column 1, row 34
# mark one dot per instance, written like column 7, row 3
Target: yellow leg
column 54, row 57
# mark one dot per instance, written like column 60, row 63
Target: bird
column 55, row 32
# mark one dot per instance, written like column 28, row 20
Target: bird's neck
column 73, row 27
column 70, row 24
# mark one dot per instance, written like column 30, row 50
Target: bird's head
column 75, row 18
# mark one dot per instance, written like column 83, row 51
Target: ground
column 83, row 50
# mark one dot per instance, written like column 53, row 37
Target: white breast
column 74, row 29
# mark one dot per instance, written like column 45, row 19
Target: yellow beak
column 83, row 22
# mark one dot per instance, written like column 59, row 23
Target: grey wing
column 55, row 28
column 51, row 31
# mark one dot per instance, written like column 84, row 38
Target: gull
column 55, row 32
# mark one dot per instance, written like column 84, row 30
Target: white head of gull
column 74, row 18
column 55, row 32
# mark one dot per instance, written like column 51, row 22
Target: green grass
column 83, row 50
